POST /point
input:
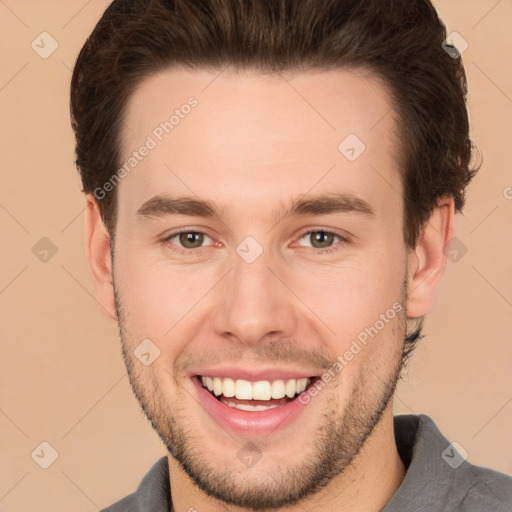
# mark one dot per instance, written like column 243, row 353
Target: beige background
column 62, row 377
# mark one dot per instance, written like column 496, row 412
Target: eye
column 323, row 240
column 186, row 240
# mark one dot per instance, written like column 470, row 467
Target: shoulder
column 439, row 477
column 153, row 492
column 474, row 488
column 127, row 504
column 490, row 490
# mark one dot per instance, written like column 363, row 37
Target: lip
column 247, row 422
column 253, row 375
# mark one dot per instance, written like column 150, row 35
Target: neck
column 367, row 484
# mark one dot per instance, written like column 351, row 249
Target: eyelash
column 167, row 241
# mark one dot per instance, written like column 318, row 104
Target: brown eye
column 323, row 242
column 188, row 243
column 321, row 239
column 191, row 239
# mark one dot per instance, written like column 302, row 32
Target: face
column 252, row 252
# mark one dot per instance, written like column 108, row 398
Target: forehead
column 246, row 137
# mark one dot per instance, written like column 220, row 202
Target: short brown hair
column 399, row 41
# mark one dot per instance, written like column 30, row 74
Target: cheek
column 157, row 296
column 351, row 297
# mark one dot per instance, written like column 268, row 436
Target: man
column 271, row 186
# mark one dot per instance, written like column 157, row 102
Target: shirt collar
column 430, row 483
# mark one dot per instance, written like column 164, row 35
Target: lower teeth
column 248, row 407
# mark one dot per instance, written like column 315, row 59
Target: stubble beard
column 334, row 443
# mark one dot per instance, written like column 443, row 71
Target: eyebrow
column 321, row 204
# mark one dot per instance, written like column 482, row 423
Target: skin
column 252, row 145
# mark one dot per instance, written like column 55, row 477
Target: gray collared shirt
column 438, row 479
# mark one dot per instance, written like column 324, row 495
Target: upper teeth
column 260, row 390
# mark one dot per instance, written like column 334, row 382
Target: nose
column 255, row 302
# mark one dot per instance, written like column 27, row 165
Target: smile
column 254, row 400
column 280, row 391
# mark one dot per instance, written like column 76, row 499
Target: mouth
column 255, row 396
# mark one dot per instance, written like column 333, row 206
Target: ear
column 427, row 260
column 97, row 245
